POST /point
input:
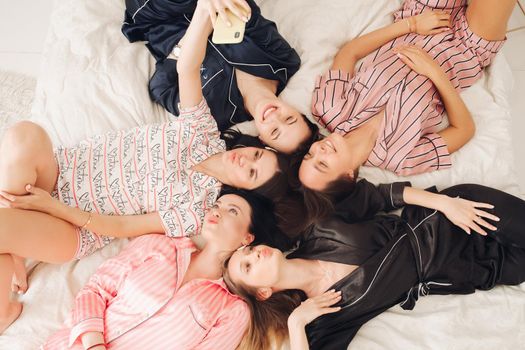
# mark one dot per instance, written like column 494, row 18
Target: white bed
column 92, row 80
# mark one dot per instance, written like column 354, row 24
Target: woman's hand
column 36, row 199
column 419, row 61
column 430, row 22
column 314, row 307
column 467, row 215
column 239, row 8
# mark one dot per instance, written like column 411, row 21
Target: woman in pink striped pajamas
column 386, row 111
column 163, row 293
column 158, row 178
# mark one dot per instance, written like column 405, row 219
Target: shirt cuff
column 194, row 111
column 396, row 193
column 95, row 324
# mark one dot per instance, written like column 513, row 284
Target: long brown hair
column 268, row 324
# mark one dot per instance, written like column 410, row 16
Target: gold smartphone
column 222, row 34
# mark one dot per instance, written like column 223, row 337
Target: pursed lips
column 213, row 220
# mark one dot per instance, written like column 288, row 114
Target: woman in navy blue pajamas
column 239, row 81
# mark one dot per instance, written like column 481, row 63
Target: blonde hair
column 268, row 325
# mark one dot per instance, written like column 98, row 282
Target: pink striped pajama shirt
column 137, row 301
column 143, row 170
column 408, row 141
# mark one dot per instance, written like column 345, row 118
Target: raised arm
column 427, row 23
column 462, row 127
column 191, row 57
column 194, row 44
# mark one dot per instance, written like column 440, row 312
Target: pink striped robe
column 408, row 141
column 137, row 301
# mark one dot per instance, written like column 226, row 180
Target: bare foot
column 14, row 310
column 19, row 282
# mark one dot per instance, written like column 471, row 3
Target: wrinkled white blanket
column 92, row 80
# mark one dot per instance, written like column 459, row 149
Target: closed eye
column 290, row 120
column 275, row 134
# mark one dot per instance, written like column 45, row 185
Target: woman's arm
column 106, row 225
column 461, row 212
column 462, row 127
column 195, row 40
column 308, row 311
column 191, row 57
column 427, row 23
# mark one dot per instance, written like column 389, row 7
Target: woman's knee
column 25, row 139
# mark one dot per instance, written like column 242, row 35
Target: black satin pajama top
column 403, row 258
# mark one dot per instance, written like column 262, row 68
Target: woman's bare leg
column 489, row 18
column 19, row 281
column 38, row 236
column 26, row 157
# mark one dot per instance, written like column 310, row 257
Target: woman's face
column 228, row 222
column 249, row 167
column 327, row 160
column 256, row 266
column 280, row 126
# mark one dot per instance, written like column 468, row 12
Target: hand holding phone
column 228, row 34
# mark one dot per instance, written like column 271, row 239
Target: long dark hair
column 234, row 138
column 320, row 204
column 277, row 186
column 263, row 221
column 315, row 135
column 268, row 317
column 316, row 205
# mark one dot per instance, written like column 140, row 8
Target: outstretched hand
column 467, row 215
column 36, row 199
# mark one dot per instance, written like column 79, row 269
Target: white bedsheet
column 92, row 80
